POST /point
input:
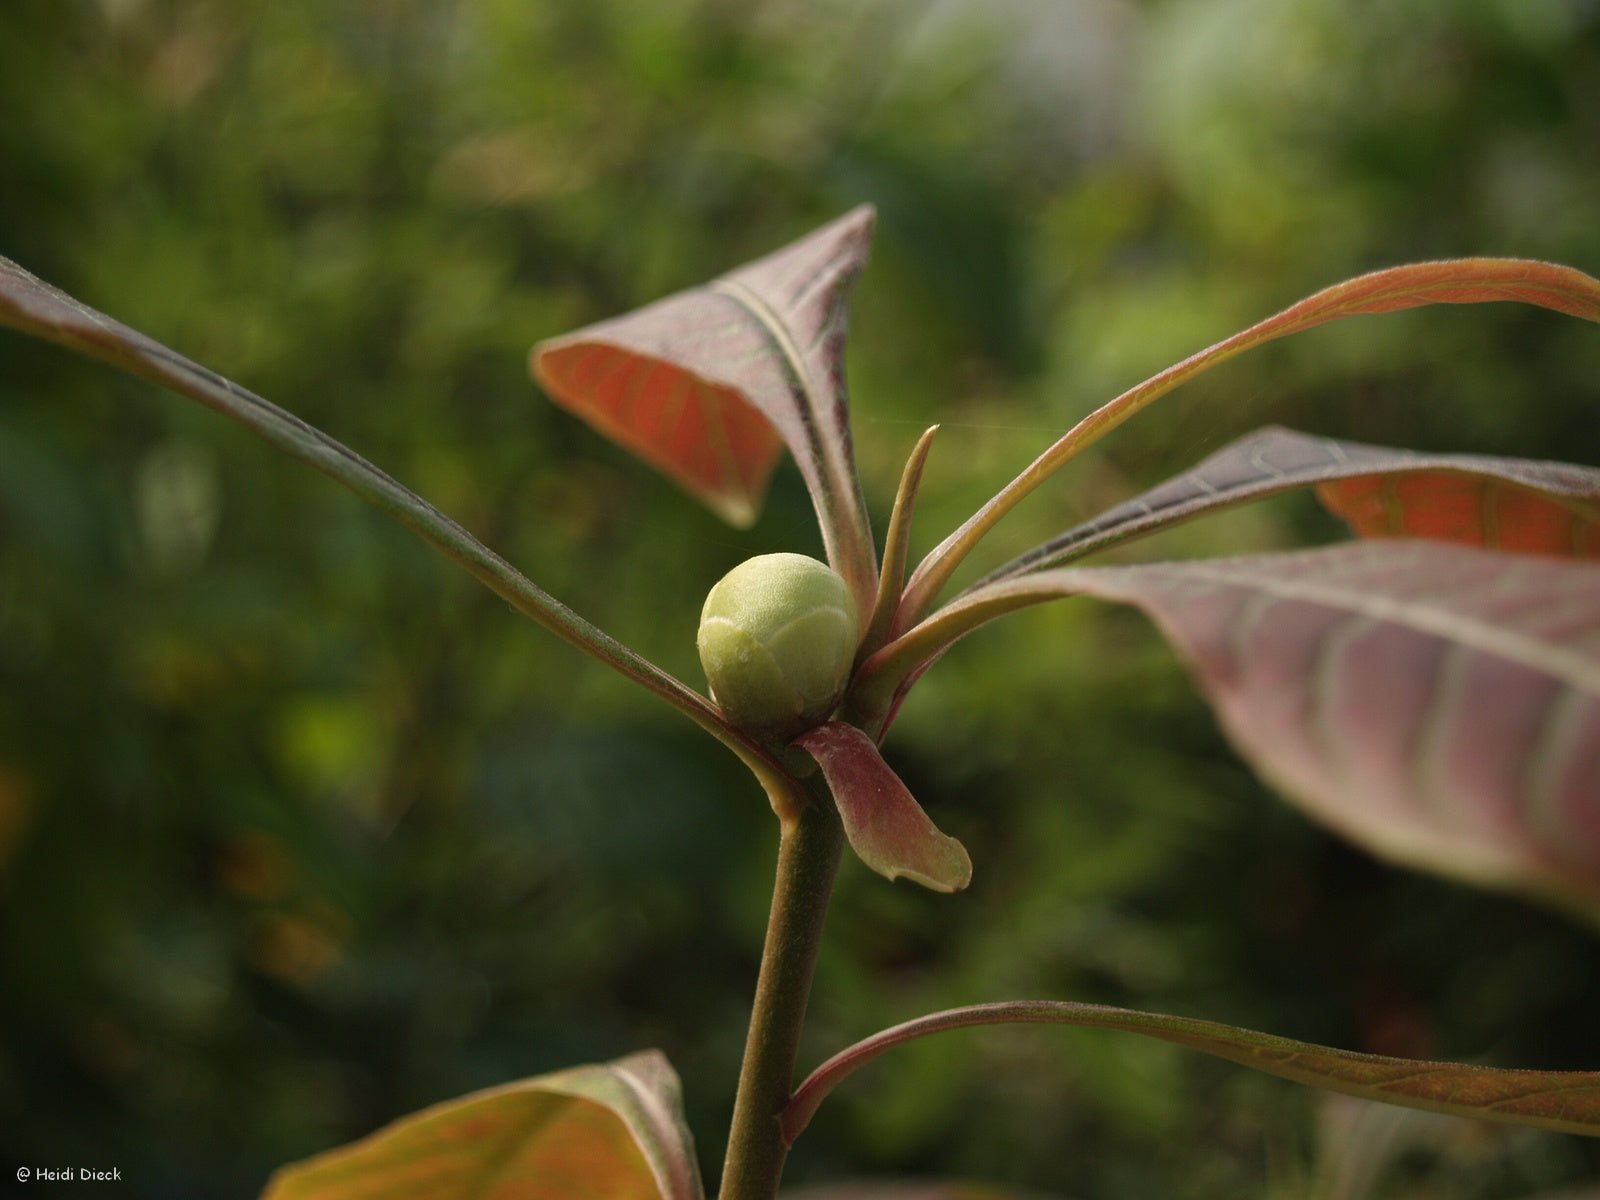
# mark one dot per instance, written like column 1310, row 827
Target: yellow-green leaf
column 607, row 1132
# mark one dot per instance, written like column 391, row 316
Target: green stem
column 33, row 307
column 808, row 857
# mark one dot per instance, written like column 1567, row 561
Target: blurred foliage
column 300, row 831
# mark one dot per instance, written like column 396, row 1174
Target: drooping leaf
column 703, row 383
column 1437, row 704
column 33, row 307
column 1457, row 281
column 1504, row 503
column 1567, row 1101
column 608, row 1132
column 885, row 825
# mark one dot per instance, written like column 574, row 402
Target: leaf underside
column 610, row 1132
column 1502, row 503
column 1566, row 1101
column 705, row 383
column 1436, row 704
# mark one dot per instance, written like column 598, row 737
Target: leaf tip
column 953, row 873
column 863, row 216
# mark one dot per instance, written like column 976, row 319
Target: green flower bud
column 777, row 637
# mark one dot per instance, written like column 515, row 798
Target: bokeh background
column 300, row 829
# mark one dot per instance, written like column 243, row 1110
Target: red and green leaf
column 1457, row 281
column 705, row 383
column 33, row 307
column 883, row 822
column 1567, row 1101
column 610, row 1132
column 1437, row 704
column 1504, row 503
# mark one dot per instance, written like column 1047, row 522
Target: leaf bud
column 778, row 634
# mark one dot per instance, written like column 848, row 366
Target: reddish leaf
column 1458, row 281
column 702, row 385
column 1506, row 503
column 1437, row 704
column 1477, row 510
column 883, row 821
column 611, row 1132
column 704, row 436
column 1568, row 1101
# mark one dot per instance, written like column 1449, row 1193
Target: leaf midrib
column 1476, row 633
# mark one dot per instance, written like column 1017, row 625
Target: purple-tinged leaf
column 885, row 825
column 610, row 1132
column 1503, row 503
column 1566, row 1101
column 690, row 382
column 1457, row 281
column 33, row 307
column 1437, row 704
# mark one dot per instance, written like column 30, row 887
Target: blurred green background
column 300, row 829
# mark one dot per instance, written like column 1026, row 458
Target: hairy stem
column 808, row 857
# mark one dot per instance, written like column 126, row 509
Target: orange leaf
column 1452, row 507
column 703, row 436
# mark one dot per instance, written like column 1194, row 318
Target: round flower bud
column 777, row 637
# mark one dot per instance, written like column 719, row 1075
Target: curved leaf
column 610, row 1132
column 1503, row 503
column 34, row 307
column 1437, row 704
column 691, row 383
column 1456, row 281
column 885, row 825
column 1567, row 1101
